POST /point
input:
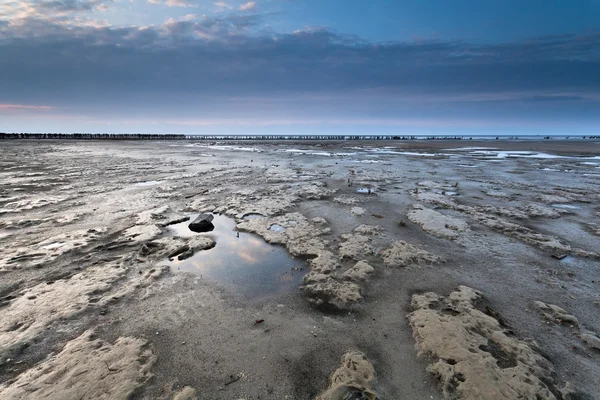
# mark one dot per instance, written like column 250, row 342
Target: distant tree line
column 92, row 136
column 149, row 136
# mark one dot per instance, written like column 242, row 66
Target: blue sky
column 300, row 66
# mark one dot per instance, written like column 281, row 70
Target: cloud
column 249, row 6
column 20, row 9
column 63, row 6
column 234, row 55
column 179, row 3
column 16, row 14
column 22, row 107
column 174, row 3
column 222, row 4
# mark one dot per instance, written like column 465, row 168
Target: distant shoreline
column 135, row 136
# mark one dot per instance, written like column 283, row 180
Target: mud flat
column 419, row 270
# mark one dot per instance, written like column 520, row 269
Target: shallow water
column 241, row 261
column 367, row 190
column 250, row 216
column 445, row 192
column 147, row 183
column 276, row 228
column 567, row 206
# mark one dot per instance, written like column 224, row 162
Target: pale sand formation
column 352, row 380
column 86, row 368
column 473, row 355
column 436, row 223
column 355, row 246
column 402, row 254
column 49, row 249
column 187, row 393
column 481, row 214
column 42, row 305
column 93, row 303
column 560, row 316
column 360, row 272
column 302, row 238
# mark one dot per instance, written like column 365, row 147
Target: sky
column 427, row 67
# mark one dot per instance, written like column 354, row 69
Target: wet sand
column 471, row 270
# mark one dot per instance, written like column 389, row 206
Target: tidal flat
column 336, row 270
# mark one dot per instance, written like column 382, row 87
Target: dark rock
column 179, row 251
column 186, row 254
column 202, row 223
column 148, row 248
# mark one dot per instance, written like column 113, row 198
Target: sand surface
column 417, row 270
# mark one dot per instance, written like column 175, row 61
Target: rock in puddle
column 203, row 223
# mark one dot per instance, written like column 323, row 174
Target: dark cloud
column 231, row 56
column 61, row 6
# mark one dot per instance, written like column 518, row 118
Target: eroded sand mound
column 352, row 380
column 303, row 237
column 472, row 355
column 355, row 246
column 86, row 368
column 560, row 316
column 437, row 223
column 48, row 250
column 402, row 254
column 482, row 215
column 39, row 306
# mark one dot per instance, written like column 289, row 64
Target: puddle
column 388, row 151
column 240, row 261
column 276, row 228
column 307, row 152
column 470, row 148
column 232, row 148
column 53, row 246
column 366, row 190
column 577, row 262
column 367, row 161
column 147, row 183
column 567, row 206
column 250, row 216
column 445, row 192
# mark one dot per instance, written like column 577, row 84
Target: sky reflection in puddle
column 243, row 262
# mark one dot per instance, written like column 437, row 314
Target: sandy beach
column 335, row 270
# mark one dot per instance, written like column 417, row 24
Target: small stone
column 202, row 223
